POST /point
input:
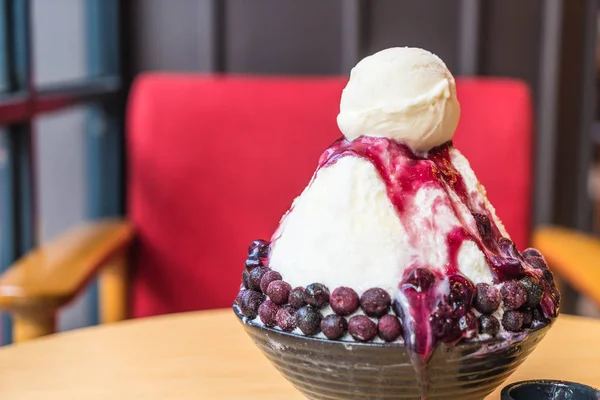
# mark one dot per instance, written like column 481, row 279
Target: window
column 60, row 90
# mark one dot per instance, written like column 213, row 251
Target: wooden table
column 207, row 355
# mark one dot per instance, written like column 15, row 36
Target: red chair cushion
column 214, row 162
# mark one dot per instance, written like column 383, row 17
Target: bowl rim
column 515, row 338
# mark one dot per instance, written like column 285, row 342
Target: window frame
column 22, row 102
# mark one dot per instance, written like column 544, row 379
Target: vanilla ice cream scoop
column 402, row 93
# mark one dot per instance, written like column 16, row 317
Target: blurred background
column 66, row 67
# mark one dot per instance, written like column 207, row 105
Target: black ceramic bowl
column 549, row 390
column 342, row 370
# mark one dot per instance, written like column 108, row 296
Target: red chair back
column 214, row 162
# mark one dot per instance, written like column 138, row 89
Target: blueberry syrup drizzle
column 429, row 316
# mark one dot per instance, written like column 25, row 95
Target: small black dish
column 549, row 390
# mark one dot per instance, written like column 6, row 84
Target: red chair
column 213, row 163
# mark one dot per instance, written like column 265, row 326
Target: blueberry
column 487, row 299
column 527, row 318
column 308, row 320
column 537, row 263
column 538, row 315
column 258, row 249
column 535, row 291
column 389, row 328
column 344, row 301
column 267, row 313
column 279, row 292
column 397, row 309
column 483, row 226
column 267, row 278
column 238, row 298
column 316, row 295
column 245, row 278
column 462, row 291
column 255, row 277
column 286, row 318
column 512, row 320
column 549, row 277
column 514, row 294
column 447, row 331
column 419, row 279
column 296, row 298
column 531, row 252
column 375, row 302
column 489, row 324
column 334, row 326
column 444, row 325
column 555, row 294
column 251, row 264
column 362, row 328
column 469, row 325
column 511, row 267
column 250, row 302
column 507, row 248
column 552, row 308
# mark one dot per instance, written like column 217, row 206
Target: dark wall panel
column 510, row 44
column 575, row 115
column 430, row 24
column 283, row 36
column 171, row 35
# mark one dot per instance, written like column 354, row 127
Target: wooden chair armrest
column 573, row 255
column 49, row 276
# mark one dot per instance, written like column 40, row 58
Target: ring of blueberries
column 266, row 295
